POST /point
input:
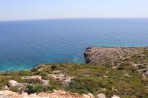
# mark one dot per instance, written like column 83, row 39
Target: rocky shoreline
column 112, row 55
column 116, row 56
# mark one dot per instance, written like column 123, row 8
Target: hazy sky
column 46, row 9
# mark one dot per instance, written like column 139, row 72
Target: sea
column 27, row 44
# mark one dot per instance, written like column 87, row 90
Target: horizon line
column 73, row 18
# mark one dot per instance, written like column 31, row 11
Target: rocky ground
column 55, row 94
column 74, row 81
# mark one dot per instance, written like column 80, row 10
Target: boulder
column 146, row 73
column 115, row 96
column 53, row 76
column 66, row 82
column 45, row 82
column 57, row 76
column 13, row 83
column 91, row 95
column 26, row 77
column 101, row 95
column 56, row 71
column 6, row 88
column 8, row 94
column 85, row 96
column 127, row 75
column 60, row 77
column 36, row 77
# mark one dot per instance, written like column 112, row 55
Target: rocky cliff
column 116, row 55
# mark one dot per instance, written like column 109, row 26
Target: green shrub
column 25, row 73
column 43, row 74
column 34, row 89
column 4, row 80
column 34, row 70
column 51, row 88
column 55, row 84
column 86, row 85
column 14, row 89
column 53, row 67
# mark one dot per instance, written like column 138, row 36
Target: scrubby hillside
column 124, row 81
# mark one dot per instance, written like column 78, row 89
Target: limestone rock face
column 115, row 55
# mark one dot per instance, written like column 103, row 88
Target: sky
column 57, row 9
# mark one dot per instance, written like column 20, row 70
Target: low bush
column 25, row 73
column 86, row 85
column 14, row 89
column 34, row 89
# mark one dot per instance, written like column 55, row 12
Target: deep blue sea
column 26, row 44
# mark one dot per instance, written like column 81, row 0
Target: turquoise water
column 26, row 44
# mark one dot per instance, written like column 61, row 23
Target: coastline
column 94, row 79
